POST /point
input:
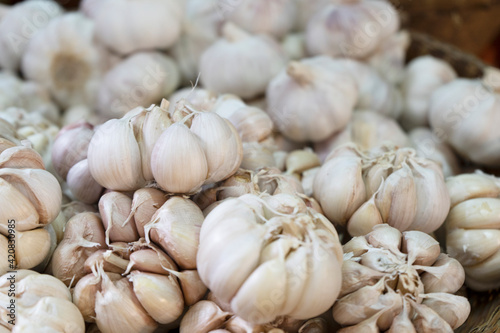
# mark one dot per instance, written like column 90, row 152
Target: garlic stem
column 233, row 33
column 300, row 72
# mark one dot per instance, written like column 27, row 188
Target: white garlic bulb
column 241, row 63
column 41, row 302
column 156, row 23
column 399, row 282
column 368, row 130
column 271, row 17
column 311, row 99
column 251, row 264
column 141, row 79
column 351, row 28
column 463, row 113
column 64, row 58
column 473, row 229
column 422, row 77
column 360, row 189
column 19, row 24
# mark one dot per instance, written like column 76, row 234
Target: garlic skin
column 250, row 264
column 463, row 113
column 221, row 64
column 160, row 19
column 41, row 301
column 71, row 65
column 385, row 284
column 358, row 189
column 422, row 77
column 319, row 85
column 141, row 79
column 274, row 18
column 472, row 229
column 369, row 23
column 366, row 129
column 19, row 24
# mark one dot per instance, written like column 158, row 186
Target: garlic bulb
column 473, row 229
column 360, row 189
column 64, row 58
column 428, row 145
column 26, row 95
column 156, row 23
column 399, row 282
column 366, row 129
column 463, row 113
column 318, row 85
column 351, row 28
column 274, row 18
column 34, row 201
column 241, row 63
column 19, row 24
column 251, row 264
column 422, row 77
column 141, row 79
column 41, row 302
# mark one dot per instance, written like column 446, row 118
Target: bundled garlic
column 270, row 256
column 19, row 24
column 32, row 198
column 366, row 129
column 64, row 58
column 464, row 114
column 399, row 282
column 422, row 77
column 311, row 99
column 141, row 79
column 241, row 63
column 41, row 303
column 351, row 28
column 156, row 24
column 473, row 228
column 69, row 157
column 359, row 189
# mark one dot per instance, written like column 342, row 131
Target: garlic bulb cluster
column 473, row 228
column 351, row 28
column 42, row 303
column 69, row 158
column 366, row 129
column 33, row 200
column 241, row 63
column 463, row 113
column 19, row 24
column 399, row 282
column 360, row 189
column 311, row 99
column 142, row 79
column 270, row 256
column 201, row 149
column 115, row 28
column 422, row 77
column 64, row 58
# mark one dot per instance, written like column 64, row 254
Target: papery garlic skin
column 231, row 64
column 141, row 79
column 385, row 283
column 472, row 228
column 247, row 255
column 318, row 85
column 463, row 113
column 18, row 25
column 422, row 77
column 352, row 29
column 359, row 189
column 156, row 24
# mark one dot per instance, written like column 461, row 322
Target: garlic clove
column 469, row 186
column 183, row 152
column 296, row 265
column 480, row 213
column 316, row 325
column 421, row 248
column 21, row 157
column 301, row 160
column 115, row 209
column 145, row 203
column 82, row 185
column 160, row 295
column 109, row 261
column 470, row 247
column 364, row 219
column 402, row 322
column 203, row 317
column 445, row 276
column 391, row 304
column 427, row 320
column 151, row 261
column 356, row 276
column 84, row 295
column 32, row 288
column 357, row 246
column 32, row 247
column 192, row 287
column 385, row 237
column 452, row 308
column 19, row 208
column 488, row 270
